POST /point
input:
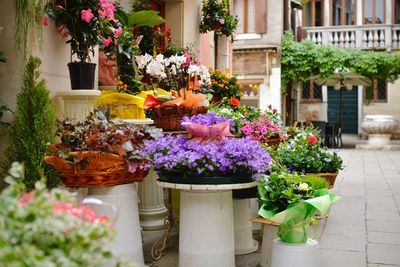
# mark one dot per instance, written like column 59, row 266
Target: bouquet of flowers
column 47, row 228
column 223, row 86
column 216, row 17
column 208, row 154
column 99, row 152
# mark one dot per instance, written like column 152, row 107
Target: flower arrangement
column 85, row 24
column 47, row 228
column 189, row 158
column 293, row 204
column 208, row 119
column 223, row 86
column 306, row 154
column 216, row 17
column 262, row 129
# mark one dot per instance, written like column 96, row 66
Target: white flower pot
column 243, row 227
column 299, row 255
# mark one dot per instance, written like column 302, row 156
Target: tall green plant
column 33, row 128
column 28, row 21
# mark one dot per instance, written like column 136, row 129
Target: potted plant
column 99, row 153
column 223, row 87
column 208, row 157
column 306, row 154
column 216, row 17
column 48, row 227
column 84, row 24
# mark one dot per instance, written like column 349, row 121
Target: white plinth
column 206, row 236
column 243, row 228
column 76, row 104
column 299, row 255
column 378, row 139
column 128, row 239
column 270, row 232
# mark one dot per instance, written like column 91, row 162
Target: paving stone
column 351, row 204
column 379, row 193
column 383, row 215
column 382, row 265
column 346, row 218
column 384, row 238
column 383, row 254
column 340, row 242
column 383, row 226
column 340, row 258
column 381, row 203
column 344, row 230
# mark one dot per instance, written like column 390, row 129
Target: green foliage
column 301, row 60
column 313, row 181
column 279, row 190
column 28, row 22
column 216, row 17
column 46, row 228
column 33, row 127
column 2, row 57
column 145, row 18
column 224, row 86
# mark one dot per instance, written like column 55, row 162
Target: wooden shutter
column 261, row 16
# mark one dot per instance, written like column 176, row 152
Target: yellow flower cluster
column 121, row 86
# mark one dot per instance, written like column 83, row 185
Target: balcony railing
column 382, row 37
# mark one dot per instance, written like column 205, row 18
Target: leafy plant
column 33, row 127
column 216, row 17
column 224, row 86
column 47, row 228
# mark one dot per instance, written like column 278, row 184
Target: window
column 374, row 11
column 343, row 12
column 251, row 14
column 396, row 13
column 311, row 91
column 377, row 92
column 313, row 13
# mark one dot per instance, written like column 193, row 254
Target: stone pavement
column 363, row 228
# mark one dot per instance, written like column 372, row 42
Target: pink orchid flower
column 87, row 15
column 117, row 32
column 107, row 41
column 221, row 21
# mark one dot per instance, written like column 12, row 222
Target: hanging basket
column 100, row 169
column 169, row 116
column 330, row 177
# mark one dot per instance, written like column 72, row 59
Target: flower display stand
column 76, row 104
column 128, row 239
column 243, row 228
column 206, row 235
column 299, row 255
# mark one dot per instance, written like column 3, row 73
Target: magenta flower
column 45, row 21
column 117, row 32
column 107, row 41
column 221, row 21
column 87, row 15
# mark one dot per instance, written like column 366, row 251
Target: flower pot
column 81, row 75
column 172, row 177
column 292, row 254
column 218, row 29
column 329, row 177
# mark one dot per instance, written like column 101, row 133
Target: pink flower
column 221, row 21
column 25, row 199
column 45, row 21
column 87, row 15
column 117, row 32
column 107, row 41
column 312, row 140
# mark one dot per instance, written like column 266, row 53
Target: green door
column 349, row 110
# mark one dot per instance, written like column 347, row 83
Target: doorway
column 349, row 108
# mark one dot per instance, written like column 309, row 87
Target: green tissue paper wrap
column 295, row 220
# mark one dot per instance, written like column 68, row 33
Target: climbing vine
column 300, row 60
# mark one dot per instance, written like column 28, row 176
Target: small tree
column 33, row 128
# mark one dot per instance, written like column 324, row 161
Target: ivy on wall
column 300, row 60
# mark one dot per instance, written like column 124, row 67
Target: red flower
column 274, row 110
column 270, row 106
column 25, row 199
column 235, row 102
column 312, row 140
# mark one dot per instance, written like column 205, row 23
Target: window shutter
column 261, row 16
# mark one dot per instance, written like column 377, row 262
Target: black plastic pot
column 180, row 179
column 81, row 75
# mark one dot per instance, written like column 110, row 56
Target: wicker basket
column 169, row 117
column 101, row 170
column 274, row 143
column 330, row 177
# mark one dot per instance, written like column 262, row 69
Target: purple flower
column 229, row 157
column 206, row 119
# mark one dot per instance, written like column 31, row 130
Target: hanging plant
column 29, row 20
column 216, row 17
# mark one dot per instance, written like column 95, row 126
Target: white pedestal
column 379, row 139
column 299, row 255
column 243, row 228
column 128, row 239
column 270, row 232
column 206, row 236
column 76, row 104
column 152, row 210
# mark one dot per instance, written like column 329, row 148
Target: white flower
column 193, row 70
column 173, row 70
column 143, row 60
column 303, row 187
column 156, row 69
